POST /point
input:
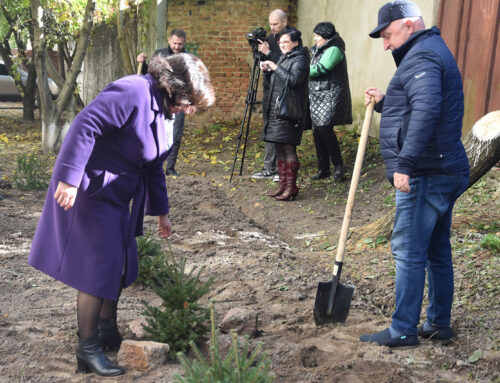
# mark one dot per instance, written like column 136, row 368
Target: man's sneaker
column 442, row 335
column 276, row 178
column 383, row 338
column 264, row 173
column 172, row 172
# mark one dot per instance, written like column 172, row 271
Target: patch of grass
column 32, row 172
column 375, row 242
column 491, row 242
column 389, row 201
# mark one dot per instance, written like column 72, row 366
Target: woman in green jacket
column 329, row 96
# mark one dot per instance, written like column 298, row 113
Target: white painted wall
column 368, row 64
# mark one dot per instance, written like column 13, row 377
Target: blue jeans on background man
column 420, row 241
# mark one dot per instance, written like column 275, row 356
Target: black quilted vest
column 329, row 94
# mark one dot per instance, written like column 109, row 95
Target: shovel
column 333, row 299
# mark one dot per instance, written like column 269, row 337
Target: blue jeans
column 420, row 241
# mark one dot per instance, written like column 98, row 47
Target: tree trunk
column 482, row 145
column 121, row 38
column 50, row 111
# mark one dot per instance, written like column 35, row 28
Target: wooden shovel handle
column 354, row 183
column 139, row 68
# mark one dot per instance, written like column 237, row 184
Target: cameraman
column 269, row 48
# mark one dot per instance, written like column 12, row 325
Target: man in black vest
column 176, row 43
column 278, row 20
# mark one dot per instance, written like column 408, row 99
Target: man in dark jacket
column 176, row 43
column 269, row 48
column 425, row 160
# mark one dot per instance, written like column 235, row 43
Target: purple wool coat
column 113, row 153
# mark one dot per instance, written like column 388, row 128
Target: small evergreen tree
column 180, row 319
column 239, row 366
column 151, row 258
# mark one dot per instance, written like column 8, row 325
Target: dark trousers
column 327, row 146
column 178, row 130
column 270, row 158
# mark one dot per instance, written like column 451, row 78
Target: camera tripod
column 247, row 116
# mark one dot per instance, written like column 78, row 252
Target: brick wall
column 216, row 31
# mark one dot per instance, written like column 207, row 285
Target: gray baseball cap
column 395, row 10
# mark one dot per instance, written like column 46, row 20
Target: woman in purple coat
column 113, row 154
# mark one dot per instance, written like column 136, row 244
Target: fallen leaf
column 478, row 354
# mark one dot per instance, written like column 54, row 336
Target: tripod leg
column 239, row 143
column 250, row 101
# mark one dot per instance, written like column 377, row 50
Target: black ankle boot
column 91, row 358
column 339, row 172
column 109, row 336
column 321, row 174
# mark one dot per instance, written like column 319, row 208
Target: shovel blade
column 341, row 303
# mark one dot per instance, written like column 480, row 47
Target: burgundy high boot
column 282, row 182
column 291, row 189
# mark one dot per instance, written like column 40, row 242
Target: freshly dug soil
column 262, row 254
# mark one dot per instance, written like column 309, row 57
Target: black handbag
column 287, row 106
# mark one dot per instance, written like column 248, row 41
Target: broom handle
column 354, row 185
column 139, row 68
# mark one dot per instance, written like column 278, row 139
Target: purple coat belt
column 113, row 153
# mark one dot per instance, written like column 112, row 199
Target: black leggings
column 89, row 309
column 286, row 152
column 327, row 147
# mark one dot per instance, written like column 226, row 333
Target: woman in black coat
column 293, row 66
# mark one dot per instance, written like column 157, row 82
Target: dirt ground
column 262, row 254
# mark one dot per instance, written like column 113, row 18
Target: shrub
column 239, row 366
column 491, row 242
column 180, row 319
column 32, row 172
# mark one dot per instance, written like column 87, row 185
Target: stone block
column 142, row 355
column 241, row 320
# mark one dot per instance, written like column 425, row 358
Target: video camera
column 254, row 37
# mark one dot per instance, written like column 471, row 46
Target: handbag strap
column 285, row 85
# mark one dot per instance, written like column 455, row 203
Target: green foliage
column 239, row 366
column 180, row 319
column 491, row 242
column 389, row 201
column 373, row 243
column 64, row 18
column 19, row 14
column 32, row 172
column 151, row 258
